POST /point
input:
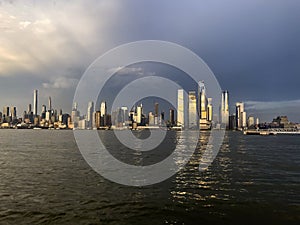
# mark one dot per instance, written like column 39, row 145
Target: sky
column 253, row 47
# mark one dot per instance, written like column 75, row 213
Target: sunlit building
column 225, row 108
column 241, row 116
column 180, row 108
column 35, row 102
column 193, row 118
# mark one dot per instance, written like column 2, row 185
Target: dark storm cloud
column 251, row 46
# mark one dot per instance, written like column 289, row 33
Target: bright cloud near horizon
column 253, row 47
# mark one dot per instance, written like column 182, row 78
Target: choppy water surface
column 44, row 180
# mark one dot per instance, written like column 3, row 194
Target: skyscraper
column 35, row 102
column 139, row 112
column 172, row 117
column 180, row 108
column 209, row 110
column 241, row 116
column 225, row 109
column 156, row 106
column 5, row 111
column 13, row 112
column 90, row 111
column 103, row 109
column 193, row 118
column 204, row 107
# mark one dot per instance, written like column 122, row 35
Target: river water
column 45, row 180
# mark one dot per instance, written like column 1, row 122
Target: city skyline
column 199, row 114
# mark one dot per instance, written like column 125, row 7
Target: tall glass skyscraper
column 193, row 118
column 180, row 108
column 35, row 102
column 225, row 108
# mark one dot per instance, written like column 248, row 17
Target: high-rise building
column 232, row 122
column 13, row 112
column 139, row 112
column 225, row 109
column 204, row 107
column 5, row 111
column 103, row 109
column 172, row 117
column 35, row 102
column 44, row 109
column 75, row 115
column 125, row 116
column 209, row 110
column 251, row 121
column 156, row 113
column 257, row 121
column 89, row 117
column 241, row 116
column 193, row 118
column 29, row 109
column 151, row 119
column 180, row 108
column 202, row 101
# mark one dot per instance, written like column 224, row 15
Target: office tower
column 75, row 115
column 209, row 110
column 251, row 121
column 89, row 117
column 29, row 109
column 225, row 108
column 139, row 112
column 44, row 109
column 103, row 109
column 151, row 119
column 50, row 103
column 156, row 109
column 180, row 108
column 35, row 102
column 5, row 111
column 232, row 122
column 244, row 116
column 241, row 116
column 172, row 117
column 202, row 101
column 204, row 107
column 257, row 121
column 47, row 116
column 97, row 119
column 162, row 116
column 13, row 112
column 125, row 116
column 192, row 110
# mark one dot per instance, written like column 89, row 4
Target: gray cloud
column 251, row 46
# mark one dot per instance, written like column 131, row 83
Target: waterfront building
column 225, row 109
column 241, row 116
column 139, row 112
column 35, row 102
column 205, row 109
column 180, row 108
column 251, row 122
column 103, row 109
column 89, row 117
column 209, row 110
column 193, row 118
column 172, row 117
column 232, row 122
